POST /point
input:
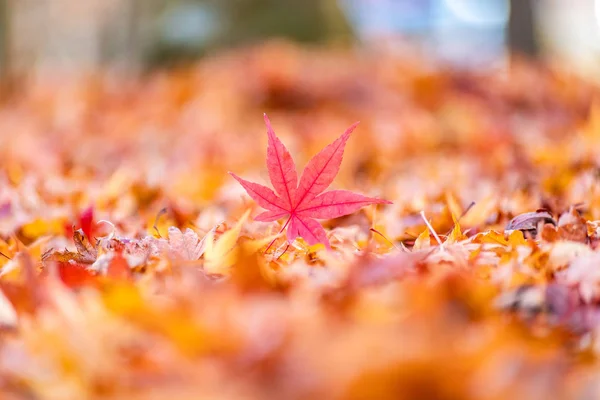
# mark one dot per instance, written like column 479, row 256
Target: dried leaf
column 528, row 222
column 571, row 226
column 183, row 245
column 86, row 253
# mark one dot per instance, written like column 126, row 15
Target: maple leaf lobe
column 281, row 166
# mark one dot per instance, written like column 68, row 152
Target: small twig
column 286, row 248
column 388, row 240
column 160, row 214
column 433, row 232
column 461, row 216
column 4, row 255
column 466, row 210
column 281, row 230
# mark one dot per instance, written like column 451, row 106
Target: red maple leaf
column 301, row 202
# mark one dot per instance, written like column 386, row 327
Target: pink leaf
column 337, row 203
column 281, row 167
column 303, row 203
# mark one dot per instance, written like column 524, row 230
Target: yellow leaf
column 316, row 247
column 41, row 227
column 491, row 237
column 159, row 224
column 456, row 235
column 380, row 237
column 220, row 255
column 229, row 238
column 423, row 241
column 516, row 238
column 9, row 267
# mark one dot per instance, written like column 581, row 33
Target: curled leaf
column 528, row 222
column 86, row 253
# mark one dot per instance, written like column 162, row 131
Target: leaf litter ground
column 133, row 266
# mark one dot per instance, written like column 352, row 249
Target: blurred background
column 138, row 35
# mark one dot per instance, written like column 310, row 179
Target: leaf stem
column 281, row 230
column 466, row 210
column 286, row 248
column 160, row 214
column 385, row 238
column 461, row 216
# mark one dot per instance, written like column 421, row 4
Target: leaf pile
column 133, row 266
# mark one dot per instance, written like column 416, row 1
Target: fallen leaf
column 423, row 241
column 219, row 255
column 456, row 235
column 571, row 226
column 528, row 222
column 301, row 201
column 75, row 275
column 86, row 253
column 183, row 245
